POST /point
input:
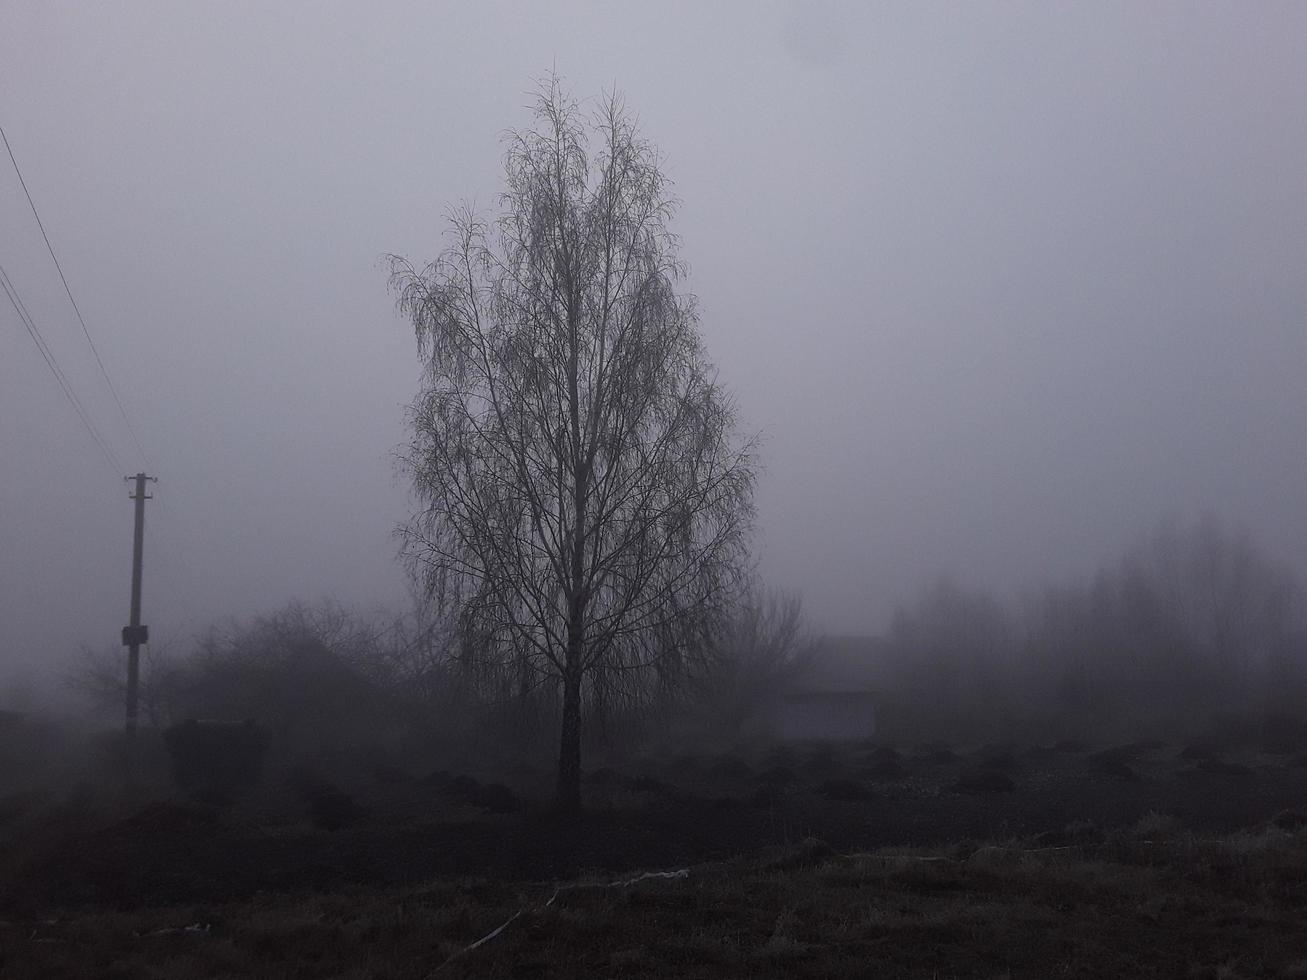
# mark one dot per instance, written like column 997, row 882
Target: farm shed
column 827, row 714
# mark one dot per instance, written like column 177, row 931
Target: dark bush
column 1199, row 750
column 332, row 808
column 495, row 797
column 649, row 784
column 885, row 753
column 937, row 755
column 604, row 777
column 213, row 760
column 1290, row 820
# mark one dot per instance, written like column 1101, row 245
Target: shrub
column 330, row 807
column 213, row 760
column 604, row 777
column 938, row 755
column 1290, row 820
column 649, row 784
column 495, row 797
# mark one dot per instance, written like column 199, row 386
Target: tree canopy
column 585, row 503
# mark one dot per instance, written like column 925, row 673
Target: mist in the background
column 1000, row 286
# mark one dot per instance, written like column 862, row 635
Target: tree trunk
column 569, row 752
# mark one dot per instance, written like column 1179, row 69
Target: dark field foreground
column 1142, row 860
column 1150, row 902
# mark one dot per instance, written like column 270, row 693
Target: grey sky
column 1000, row 284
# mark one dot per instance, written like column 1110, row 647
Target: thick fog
column 1000, row 285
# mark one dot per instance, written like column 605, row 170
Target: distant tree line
column 334, row 687
column 1195, row 626
column 1192, row 628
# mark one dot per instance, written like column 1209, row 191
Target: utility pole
column 134, row 634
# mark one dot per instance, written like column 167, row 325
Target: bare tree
column 585, row 505
column 100, row 676
column 762, row 652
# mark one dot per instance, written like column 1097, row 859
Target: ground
column 814, row 859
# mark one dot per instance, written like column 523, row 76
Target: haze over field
column 1000, row 285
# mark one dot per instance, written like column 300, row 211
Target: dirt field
column 1154, row 844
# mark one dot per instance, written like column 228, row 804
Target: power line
column 76, row 309
column 52, row 363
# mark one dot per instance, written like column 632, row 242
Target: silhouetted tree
column 953, row 650
column 584, row 502
column 100, row 677
column 761, row 652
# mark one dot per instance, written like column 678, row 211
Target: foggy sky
column 1000, row 285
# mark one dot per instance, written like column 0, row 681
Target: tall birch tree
column 584, row 500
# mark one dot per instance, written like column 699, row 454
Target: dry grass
column 1149, row 901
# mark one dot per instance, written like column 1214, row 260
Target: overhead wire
column 53, row 364
column 76, row 309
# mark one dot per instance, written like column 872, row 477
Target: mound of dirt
column 984, row 781
column 778, row 776
column 731, row 767
column 1290, row 820
column 887, row 771
column 937, row 755
column 1112, row 765
column 170, row 817
column 1222, row 768
column 604, row 777
column 1070, row 746
column 845, row 790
